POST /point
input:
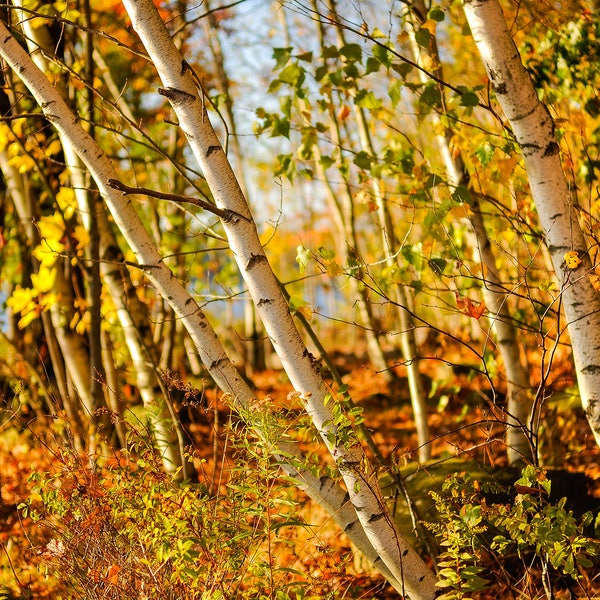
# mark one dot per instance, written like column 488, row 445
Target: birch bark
column 183, row 91
column 408, row 573
column 533, row 129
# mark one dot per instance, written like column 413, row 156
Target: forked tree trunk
column 533, row 129
column 378, row 535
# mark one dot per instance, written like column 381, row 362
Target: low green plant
column 480, row 538
column 122, row 528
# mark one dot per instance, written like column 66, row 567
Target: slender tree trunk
column 533, row 129
column 373, row 532
column 517, row 377
column 254, row 342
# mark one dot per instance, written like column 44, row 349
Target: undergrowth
column 120, row 528
column 527, row 546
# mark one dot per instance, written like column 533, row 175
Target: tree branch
column 226, row 215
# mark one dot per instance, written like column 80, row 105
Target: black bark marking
column 500, row 89
column 421, row 578
column 188, row 301
column 47, row 104
column 264, row 301
column 375, row 518
column 405, row 552
column 255, row 259
column 211, row 150
column 591, row 369
column 177, row 97
column 185, row 66
column 217, row 363
column 551, row 149
column 349, row 527
column 6, row 39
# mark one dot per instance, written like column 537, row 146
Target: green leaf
column 403, row 69
column 325, row 253
column 305, row 56
column 330, row 52
column 485, row 153
column 394, row 91
column 352, row 52
column 423, row 37
column 468, row 97
column 320, row 72
column 436, row 14
column 366, row 99
column 373, row 65
column 462, row 194
column 293, row 74
column 281, row 56
column 363, row 160
column 382, row 54
column 431, row 95
column 438, row 265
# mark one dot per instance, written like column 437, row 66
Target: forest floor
column 464, row 418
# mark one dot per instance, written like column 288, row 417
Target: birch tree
column 533, row 128
column 398, row 560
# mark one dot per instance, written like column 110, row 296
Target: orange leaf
column 469, row 307
column 113, row 574
column 343, row 113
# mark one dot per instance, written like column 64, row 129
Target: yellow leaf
column 595, row 280
column 43, row 281
column 67, row 201
column 23, row 163
column 54, row 147
column 21, row 299
column 83, row 238
column 27, row 318
column 572, row 260
column 430, row 25
column 306, row 311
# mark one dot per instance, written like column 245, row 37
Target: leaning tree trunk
column 367, row 521
column 183, row 90
column 533, row 129
column 131, row 313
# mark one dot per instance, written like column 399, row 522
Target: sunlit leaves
column 485, row 152
column 30, row 302
column 303, row 256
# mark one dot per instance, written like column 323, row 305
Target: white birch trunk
column 408, row 572
column 181, row 88
column 533, row 128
